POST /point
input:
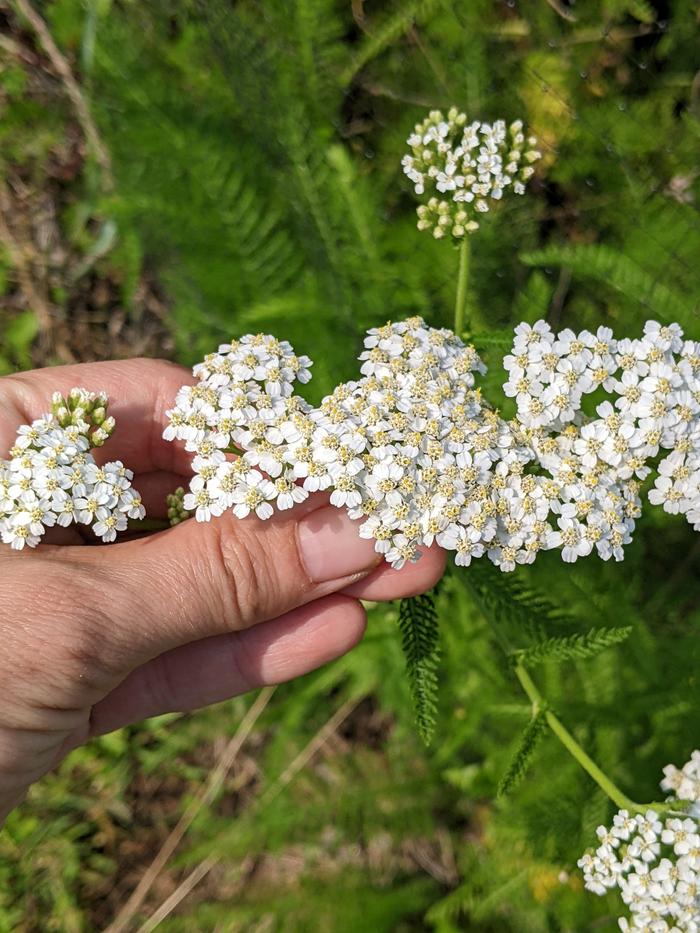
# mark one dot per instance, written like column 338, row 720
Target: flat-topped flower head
column 412, row 451
column 463, row 168
column 654, row 861
column 52, row 478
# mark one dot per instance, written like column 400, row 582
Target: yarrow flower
column 52, row 478
column 465, row 168
column 412, row 450
column 654, row 860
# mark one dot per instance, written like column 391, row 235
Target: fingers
column 222, row 666
column 226, row 665
column 121, row 606
column 140, row 392
column 203, row 579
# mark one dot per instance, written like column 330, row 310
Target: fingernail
column 331, row 546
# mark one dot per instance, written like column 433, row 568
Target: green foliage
column 527, row 744
column 387, row 32
column 420, row 640
column 568, row 647
column 514, row 606
column 614, row 270
column 16, row 340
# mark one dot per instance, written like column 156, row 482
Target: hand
column 94, row 638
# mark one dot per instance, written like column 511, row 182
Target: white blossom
column 465, row 167
column 412, row 449
column 52, row 477
column 654, row 860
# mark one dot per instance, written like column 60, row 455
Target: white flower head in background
column 654, row 860
column 52, row 478
column 465, row 168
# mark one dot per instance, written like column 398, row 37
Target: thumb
column 202, row 579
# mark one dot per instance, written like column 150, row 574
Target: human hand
column 98, row 637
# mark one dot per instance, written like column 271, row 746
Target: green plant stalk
column 575, row 750
column 462, row 279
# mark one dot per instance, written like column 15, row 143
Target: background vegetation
column 175, row 172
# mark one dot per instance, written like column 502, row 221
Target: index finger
column 140, row 392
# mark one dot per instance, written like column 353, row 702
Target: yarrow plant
column 51, row 477
column 653, row 859
column 461, row 170
column 414, row 453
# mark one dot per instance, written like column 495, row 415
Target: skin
column 97, row 637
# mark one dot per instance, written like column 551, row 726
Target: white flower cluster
column 465, row 168
column 654, row 860
column 684, row 783
column 52, row 478
column 243, row 401
column 413, row 451
column 597, row 463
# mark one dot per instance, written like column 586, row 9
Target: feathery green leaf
column 569, row 647
column 529, row 740
column 420, row 640
column 622, row 273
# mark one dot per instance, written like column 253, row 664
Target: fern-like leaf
column 529, row 740
column 626, row 275
column 574, row 647
column 420, row 640
column 499, row 338
column 519, row 610
column 385, row 34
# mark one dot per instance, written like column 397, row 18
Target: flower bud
column 76, row 398
column 99, row 415
column 63, row 416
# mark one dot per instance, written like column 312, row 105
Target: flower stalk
column 611, row 790
column 462, row 281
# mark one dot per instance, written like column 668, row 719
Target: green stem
column 575, row 750
column 462, row 279
column 562, row 733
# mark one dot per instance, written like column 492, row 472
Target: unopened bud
column 63, row 416
column 99, row 415
column 76, row 397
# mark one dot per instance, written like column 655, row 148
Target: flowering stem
column 462, row 279
column 539, row 704
column 571, row 745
